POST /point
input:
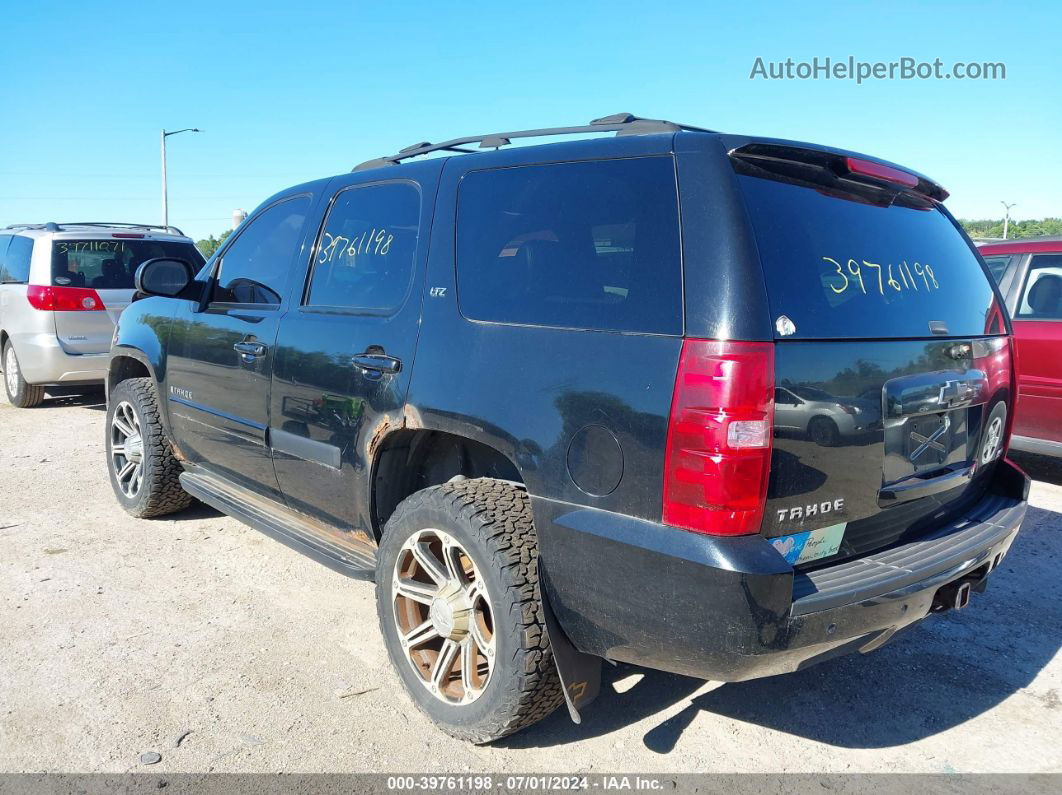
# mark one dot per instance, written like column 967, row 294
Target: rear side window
column 110, row 264
column 845, row 268
column 17, row 260
column 365, row 257
column 590, row 245
column 1042, row 299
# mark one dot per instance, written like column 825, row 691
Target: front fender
column 141, row 336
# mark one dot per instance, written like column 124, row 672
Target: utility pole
column 163, row 135
column 1006, row 217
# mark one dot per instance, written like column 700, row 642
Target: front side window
column 110, row 264
column 256, row 267
column 1042, row 299
column 589, row 245
column 365, row 255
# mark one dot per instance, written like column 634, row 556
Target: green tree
column 209, row 245
column 1027, row 228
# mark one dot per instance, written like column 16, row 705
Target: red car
column 1029, row 273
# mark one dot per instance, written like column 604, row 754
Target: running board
column 349, row 553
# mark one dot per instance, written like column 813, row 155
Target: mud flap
column 580, row 674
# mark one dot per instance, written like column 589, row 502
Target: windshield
column 844, row 268
column 111, row 264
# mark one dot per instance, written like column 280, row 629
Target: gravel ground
column 221, row 650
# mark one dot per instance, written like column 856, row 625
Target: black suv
column 718, row 405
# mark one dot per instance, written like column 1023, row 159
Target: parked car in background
column 1029, row 272
column 531, row 392
column 62, row 286
column 825, row 418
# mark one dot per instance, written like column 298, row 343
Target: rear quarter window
column 845, row 268
column 997, row 266
column 588, row 245
column 17, row 260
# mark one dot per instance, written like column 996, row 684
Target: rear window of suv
column 845, row 268
column 110, row 264
column 586, row 245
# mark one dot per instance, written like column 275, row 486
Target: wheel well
column 123, row 368
column 409, row 461
column 3, row 339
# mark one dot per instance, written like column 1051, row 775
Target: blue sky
column 289, row 92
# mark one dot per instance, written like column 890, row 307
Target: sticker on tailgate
column 810, row 545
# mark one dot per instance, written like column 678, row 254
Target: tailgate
column 892, row 361
column 877, row 442
column 90, row 332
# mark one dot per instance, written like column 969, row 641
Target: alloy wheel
column 443, row 616
column 11, row 371
column 127, row 449
column 992, row 438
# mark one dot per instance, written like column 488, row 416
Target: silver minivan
column 62, row 287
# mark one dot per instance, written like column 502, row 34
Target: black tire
column 823, row 432
column 992, row 438
column 160, row 491
column 492, row 522
column 25, row 395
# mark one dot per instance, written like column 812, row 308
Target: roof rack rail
column 620, row 123
column 51, row 226
column 122, row 225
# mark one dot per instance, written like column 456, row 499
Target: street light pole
column 165, row 201
column 163, row 135
column 1006, row 217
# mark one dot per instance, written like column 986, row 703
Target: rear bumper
column 43, row 361
column 731, row 609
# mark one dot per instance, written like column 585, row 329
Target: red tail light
column 719, row 437
column 64, row 299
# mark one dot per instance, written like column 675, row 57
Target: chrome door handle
column 251, row 349
column 377, row 363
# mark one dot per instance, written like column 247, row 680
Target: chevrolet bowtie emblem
column 926, row 442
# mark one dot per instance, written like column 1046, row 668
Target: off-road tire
column 160, row 492
column 492, row 520
column 26, row 396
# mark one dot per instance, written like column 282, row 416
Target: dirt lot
column 222, row 650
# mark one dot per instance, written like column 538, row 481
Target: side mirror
column 164, row 276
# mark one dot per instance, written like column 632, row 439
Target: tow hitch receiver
column 953, row 595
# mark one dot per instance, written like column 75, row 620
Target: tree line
column 208, row 245
column 1030, row 228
